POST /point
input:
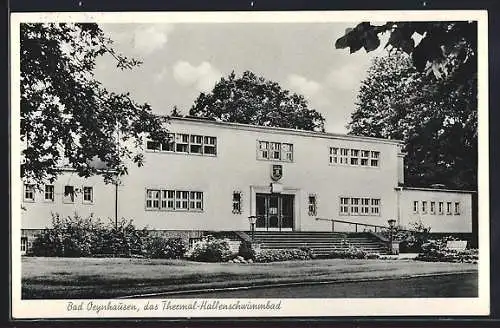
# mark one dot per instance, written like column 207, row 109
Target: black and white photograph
column 249, row 164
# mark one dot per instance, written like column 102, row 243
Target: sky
column 183, row 59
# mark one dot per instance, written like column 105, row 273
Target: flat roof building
column 211, row 176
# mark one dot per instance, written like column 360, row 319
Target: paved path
column 449, row 285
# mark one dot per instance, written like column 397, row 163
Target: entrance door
column 274, row 212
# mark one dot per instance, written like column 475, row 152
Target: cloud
column 148, row 39
column 203, row 77
column 346, row 78
column 143, row 39
column 313, row 91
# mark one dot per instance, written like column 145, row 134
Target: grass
column 60, row 278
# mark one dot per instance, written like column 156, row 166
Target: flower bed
column 283, row 254
column 436, row 251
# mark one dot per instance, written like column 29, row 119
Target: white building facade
column 212, row 176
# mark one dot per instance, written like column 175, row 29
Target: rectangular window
column 196, row 145
column 152, row 145
column 441, row 208
column 448, row 208
column 24, row 244
column 275, row 151
column 424, row 206
column 415, row 207
column 186, row 143
column 433, row 207
column 365, row 206
column 359, row 206
column 69, row 194
column 181, row 200
column 457, row 208
column 333, row 155
column 210, row 146
column 344, row 153
column 168, row 199
column 374, row 158
column 263, row 150
column 312, row 206
column 354, row 157
column 365, row 155
column 354, row 206
column 196, row 200
column 88, row 195
column 375, row 209
column 344, row 206
column 29, row 193
column 236, row 202
column 169, row 144
column 182, row 143
column 287, row 152
column 152, row 199
column 49, row 193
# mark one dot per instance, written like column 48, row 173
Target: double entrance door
column 274, row 212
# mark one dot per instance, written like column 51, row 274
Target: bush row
column 284, row 254
column 84, row 237
column 352, row 253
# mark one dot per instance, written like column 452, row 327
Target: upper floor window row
column 354, row 157
column 186, row 144
column 275, row 151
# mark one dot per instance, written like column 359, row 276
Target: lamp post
column 252, row 219
column 391, row 226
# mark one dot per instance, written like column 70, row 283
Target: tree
column 445, row 48
column 436, row 120
column 67, row 116
column 254, row 100
column 175, row 112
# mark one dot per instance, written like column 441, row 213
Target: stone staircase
column 321, row 243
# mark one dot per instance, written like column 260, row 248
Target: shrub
column 436, row 251
column 246, row 250
column 284, row 254
column 69, row 237
column 159, row 247
column 411, row 239
column 349, row 253
column 74, row 236
column 121, row 239
column 209, row 249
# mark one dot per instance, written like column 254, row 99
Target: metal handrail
column 355, row 224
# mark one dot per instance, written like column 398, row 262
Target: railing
column 356, row 224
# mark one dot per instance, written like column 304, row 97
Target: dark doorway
column 274, row 212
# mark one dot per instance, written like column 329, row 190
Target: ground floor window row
column 174, row 200
column 436, row 207
column 68, row 193
column 360, row 206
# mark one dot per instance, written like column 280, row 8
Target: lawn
column 59, row 278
